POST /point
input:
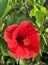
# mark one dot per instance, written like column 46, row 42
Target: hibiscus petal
column 20, row 52
column 25, row 29
column 8, row 35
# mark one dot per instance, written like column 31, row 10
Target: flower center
column 19, row 39
column 22, row 40
column 26, row 42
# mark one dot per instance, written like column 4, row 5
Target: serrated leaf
column 33, row 11
column 23, row 62
column 3, row 4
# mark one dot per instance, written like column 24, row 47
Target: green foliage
column 15, row 11
column 3, row 47
column 3, row 5
column 8, row 7
column 32, row 2
column 42, row 42
column 39, row 18
column 41, row 1
column 10, row 61
column 23, row 62
column 46, row 30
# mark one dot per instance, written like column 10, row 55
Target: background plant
column 14, row 11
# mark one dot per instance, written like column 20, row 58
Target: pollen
column 26, row 42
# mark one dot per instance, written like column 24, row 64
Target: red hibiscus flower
column 22, row 40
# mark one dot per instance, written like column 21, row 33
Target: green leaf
column 41, row 1
column 17, row 60
column 33, row 11
column 2, row 58
column 8, row 8
column 42, row 28
column 10, row 54
column 3, row 4
column 38, row 63
column 46, row 30
column 47, row 18
column 10, row 60
column 1, row 26
column 23, row 62
column 46, row 35
column 32, row 2
column 39, row 18
column 3, row 47
column 37, row 58
column 43, row 10
column 42, row 42
column 16, row 19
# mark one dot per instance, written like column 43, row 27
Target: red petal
column 8, row 36
column 25, row 29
